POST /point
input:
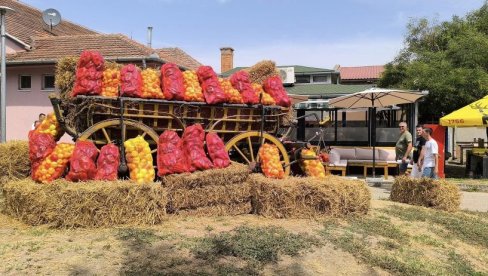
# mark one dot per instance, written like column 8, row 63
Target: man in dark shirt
column 417, row 148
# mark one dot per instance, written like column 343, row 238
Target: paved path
column 471, row 201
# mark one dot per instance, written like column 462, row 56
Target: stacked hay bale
column 262, row 70
column 66, row 75
column 86, row 204
column 428, row 192
column 214, row 192
column 304, row 197
column 14, row 161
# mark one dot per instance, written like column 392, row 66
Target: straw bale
column 428, row 192
column 218, row 210
column 235, row 173
column 65, row 75
column 112, row 65
column 305, row 197
column 262, row 70
column 208, row 196
column 14, row 160
column 85, row 204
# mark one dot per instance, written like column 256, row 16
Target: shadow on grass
column 242, row 251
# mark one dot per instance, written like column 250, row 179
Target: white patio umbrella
column 376, row 97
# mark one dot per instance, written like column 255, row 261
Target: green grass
column 256, row 245
column 138, row 236
column 467, row 228
column 379, row 242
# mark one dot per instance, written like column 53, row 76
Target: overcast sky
column 309, row 33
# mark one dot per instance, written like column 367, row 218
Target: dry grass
column 231, row 209
column 14, row 161
column 66, row 75
column 85, row 204
column 235, row 173
column 262, row 70
column 208, row 196
column 307, row 197
column 437, row 194
column 213, row 192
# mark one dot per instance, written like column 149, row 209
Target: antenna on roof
column 51, row 17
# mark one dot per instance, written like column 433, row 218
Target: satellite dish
column 51, row 17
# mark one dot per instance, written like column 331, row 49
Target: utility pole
column 3, row 71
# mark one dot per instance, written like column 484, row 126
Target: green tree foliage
column 449, row 59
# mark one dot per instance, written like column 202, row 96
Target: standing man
column 403, row 147
column 429, row 157
column 417, row 149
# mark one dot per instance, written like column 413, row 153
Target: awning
column 472, row 115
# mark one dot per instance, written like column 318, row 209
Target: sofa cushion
column 334, row 157
column 366, row 154
column 341, row 163
column 387, row 154
column 346, row 154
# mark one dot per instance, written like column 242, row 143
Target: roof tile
column 178, row 56
column 361, row 72
column 110, row 46
column 26, row 22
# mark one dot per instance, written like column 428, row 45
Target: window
column 320, row 78
column 25, row 82
column 47, row 82
column 302, row 79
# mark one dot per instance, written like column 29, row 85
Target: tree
column 449, row 59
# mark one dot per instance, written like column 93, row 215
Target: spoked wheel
column 243, row 148
column 109, row 131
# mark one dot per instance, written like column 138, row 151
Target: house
column 311, row 87
column 360, row 74
column 33, row 49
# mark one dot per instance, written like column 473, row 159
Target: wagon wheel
column 244, row 147
column 108, row 131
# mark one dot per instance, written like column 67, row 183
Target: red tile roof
column 361, row 72
column 178, row 56
column 111, row 46
column 26, row 22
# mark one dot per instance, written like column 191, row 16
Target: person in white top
column 429, row 157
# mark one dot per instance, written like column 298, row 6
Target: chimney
column 149, row 37
column 226, row 59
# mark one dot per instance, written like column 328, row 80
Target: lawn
column 393, row 239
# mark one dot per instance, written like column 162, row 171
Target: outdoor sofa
column 342, row 158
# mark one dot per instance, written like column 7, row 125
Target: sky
column 290, row 32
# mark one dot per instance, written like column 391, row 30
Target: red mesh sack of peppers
column 212, row 91
column 89, row 72
column 274, row 87
column 171, row 158
column 54, row 165
column 130, row 81
column 193, row 139
column 40, row 146
column 108, row 163
column 240, row 81
column 172, row 82
column 82, row 162
column 216, row 150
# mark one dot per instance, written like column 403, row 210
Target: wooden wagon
column 103, row 120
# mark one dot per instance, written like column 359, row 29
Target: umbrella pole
column 373, row 139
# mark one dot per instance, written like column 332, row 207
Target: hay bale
column 85, row 204
column 208, row 196
column 437, row 194
column 262, row 70
column 235, row 173
column 307, row 197
column 14, row 161
column 235, row 209
column 65, row 75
